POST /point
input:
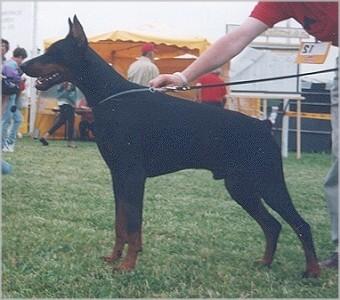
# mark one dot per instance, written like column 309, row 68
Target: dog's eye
column 53, row 50
column 53, row 53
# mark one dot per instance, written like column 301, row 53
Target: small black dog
column 142, row 134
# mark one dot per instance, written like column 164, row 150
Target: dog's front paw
column 128, row 263
column 312, row 272
column 262, row 263
column 124, row 267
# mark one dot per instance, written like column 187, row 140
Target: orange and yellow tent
column 121, row 48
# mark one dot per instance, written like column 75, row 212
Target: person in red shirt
column 213, row 96
column 319, row 19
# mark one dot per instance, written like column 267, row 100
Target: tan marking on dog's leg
column 134, row 246
column 121, row 236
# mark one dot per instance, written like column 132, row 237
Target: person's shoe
column 43, row 141
column 4, row 147
column 7, row 148
column 10, row 147
column 331, row 262
column 71, row 145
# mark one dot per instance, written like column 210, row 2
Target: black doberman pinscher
column 141, row 134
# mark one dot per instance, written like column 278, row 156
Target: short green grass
column 57, row 220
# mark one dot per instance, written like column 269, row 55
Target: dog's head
column 55, row 65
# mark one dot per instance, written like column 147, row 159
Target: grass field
column 57, row 220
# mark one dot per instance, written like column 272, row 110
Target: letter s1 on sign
column 313, row 53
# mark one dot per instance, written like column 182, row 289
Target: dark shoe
column 331, row 262
column 43, row 141
column 71, row 145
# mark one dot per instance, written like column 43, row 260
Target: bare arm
column 218, row 54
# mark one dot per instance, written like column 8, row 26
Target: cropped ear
column 70, row 25
column 77, row 32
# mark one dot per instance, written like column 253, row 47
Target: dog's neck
column 98, row 80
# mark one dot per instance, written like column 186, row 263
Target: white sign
column 313, row 53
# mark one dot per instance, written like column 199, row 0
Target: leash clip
column 154, row 90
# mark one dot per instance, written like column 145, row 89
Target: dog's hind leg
column 244, row 194
column 129, row 186
column 277, row 197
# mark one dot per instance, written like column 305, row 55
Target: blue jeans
column 9, row 135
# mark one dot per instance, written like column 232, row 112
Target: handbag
column 8, row 87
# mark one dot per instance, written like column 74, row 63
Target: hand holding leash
column 176, row 79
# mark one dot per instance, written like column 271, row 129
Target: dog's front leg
column 129, row 191
column 120, row 229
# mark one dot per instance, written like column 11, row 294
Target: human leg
column 331, row 184
column 58, row 122
column 6, row 121
column 12, row 135
column 84, row 130
column 70, row 126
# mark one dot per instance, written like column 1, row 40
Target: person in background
column 213, row 96
column 319, row 19
column 332, row 179
column 6, row 168
column 144, row 69
column 11, row 70
column 86, row 124
column 16, row 118
column 67, row 97
column 4, row 49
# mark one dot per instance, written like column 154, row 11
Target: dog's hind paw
column 110, row 258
